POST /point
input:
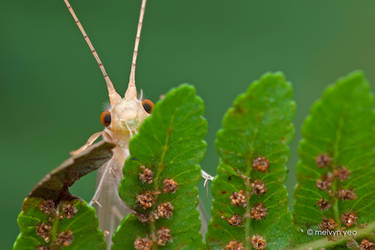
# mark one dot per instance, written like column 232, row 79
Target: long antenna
column 136, row 45
column 113, row 95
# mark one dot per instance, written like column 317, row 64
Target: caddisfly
column 121, row 122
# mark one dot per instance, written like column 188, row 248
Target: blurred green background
column 52, row 92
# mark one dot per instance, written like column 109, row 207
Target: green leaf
column 258, row 125
column 58, row 216
column 73, row 225
column 338, row 135
column 170, row 144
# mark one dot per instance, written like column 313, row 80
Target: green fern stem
column 326, row 242
column 335, row 207
column 248, row 228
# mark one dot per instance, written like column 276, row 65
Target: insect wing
column 55, row 184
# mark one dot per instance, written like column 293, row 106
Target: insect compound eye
column 148, row 105
column 105, row 118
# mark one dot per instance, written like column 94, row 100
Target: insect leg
column 89, row 142
column 206, row 177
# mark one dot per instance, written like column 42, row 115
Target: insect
column 121, row 121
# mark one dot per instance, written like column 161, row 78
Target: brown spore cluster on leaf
column 65, row 238
column 47, row 206
column 164, row 236
column 325, row 182
column 146, row 200
column 165, row 210
column 235, row 220
column 238, row 199
column 258, row 187
column 170, row 186
column 323, row 204
column 69, row 210
column 347, row 194
column 323, row 160
column 143, row 217
column 328, row 224
column 258, row 212
column 143, row 243
column 261, row 164
column 43, row 230
column 367, row 245
column 349, row 219
column 146, row 176
column 342, row 173
column 234, row 245
column 258, row 242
